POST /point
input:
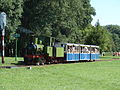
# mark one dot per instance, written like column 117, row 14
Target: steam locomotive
column 46, row 50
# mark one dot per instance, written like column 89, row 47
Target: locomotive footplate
column 35, row 59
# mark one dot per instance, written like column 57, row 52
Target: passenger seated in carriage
column 85, row 50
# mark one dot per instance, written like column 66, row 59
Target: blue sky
column 107, row 11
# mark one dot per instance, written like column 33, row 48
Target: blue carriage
column 72, row 52
column 77, row 52
column 94, row 52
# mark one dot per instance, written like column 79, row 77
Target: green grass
column 109, row 57
column 103, row 75
column 10, row 61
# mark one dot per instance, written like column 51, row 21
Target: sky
column 107, row 11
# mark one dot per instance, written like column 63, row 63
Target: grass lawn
column 103, row 75
column 10, row 61
column 109, row 57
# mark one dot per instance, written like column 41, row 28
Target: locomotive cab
column 39, row 51
column 34, row 52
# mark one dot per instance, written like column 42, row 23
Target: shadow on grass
column 19, row 63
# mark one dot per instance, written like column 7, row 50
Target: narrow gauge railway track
column 29, row 66
column 109, row 60
column 22, row 66
column 16, row 66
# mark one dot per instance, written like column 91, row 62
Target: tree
column 101, row 37
column 62, row 19
column 116, row 40
column 115, row 31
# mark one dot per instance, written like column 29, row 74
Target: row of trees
column 66, row 20
column 115, row 34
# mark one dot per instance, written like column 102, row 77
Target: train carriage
column 71, row 52
column 94, row 52
column 77, row 52
column 85, row 52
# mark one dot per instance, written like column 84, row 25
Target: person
column 85, row 50
column 96, row 51
column 73, row 49
column 69, row 49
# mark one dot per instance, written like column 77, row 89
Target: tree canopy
column 98, row 35
column 13, row 9
column 62, row 19
column 115, row 31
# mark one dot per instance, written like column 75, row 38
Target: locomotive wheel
column 40, row 63
column 49, row 63
column 43, row 63
column 37, row 63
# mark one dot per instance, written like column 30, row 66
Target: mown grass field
column 11, row 60
column 103, row 75
column 109, row 57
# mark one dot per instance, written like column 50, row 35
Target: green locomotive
column 41, row 50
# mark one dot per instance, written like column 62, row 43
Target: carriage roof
column 82, row 45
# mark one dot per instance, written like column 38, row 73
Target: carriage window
column 94, row 50
column 85, row 50
column 97, row 50
column 72, row 49
column 75, row 49
column 69, row 49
